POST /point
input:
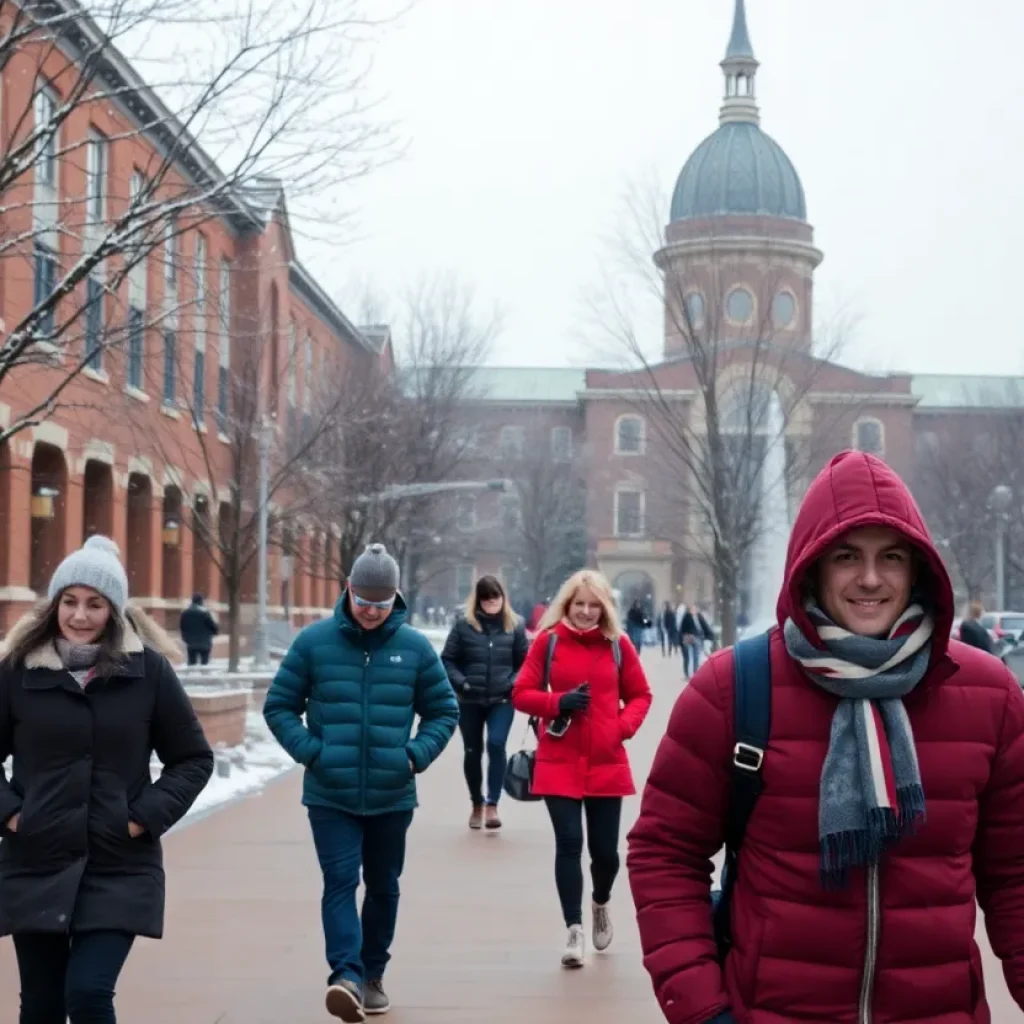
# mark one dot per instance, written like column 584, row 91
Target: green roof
column 528, row 384
column 964, row 391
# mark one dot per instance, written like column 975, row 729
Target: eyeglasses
column 361, row 602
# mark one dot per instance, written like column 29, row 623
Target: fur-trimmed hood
column 140, row 632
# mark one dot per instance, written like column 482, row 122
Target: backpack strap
column 752, row 698
column 549, row 657
column 617, row 651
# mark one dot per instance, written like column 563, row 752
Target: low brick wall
column 221, row 714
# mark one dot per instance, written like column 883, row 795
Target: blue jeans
column 345, row 843
column 636, row 635
column 70, row 976
column 473, row 718
column 692, row 654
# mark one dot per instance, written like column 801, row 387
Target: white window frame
column 96, row 170
column 172, row 245
column 224, row 311
column 511, row 440
column 642, row 495
column 47, row 164
column 200, row 275
column 563, row 454
column 642, row 447
column 874, row 421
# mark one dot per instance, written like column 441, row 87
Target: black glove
column 574, row 700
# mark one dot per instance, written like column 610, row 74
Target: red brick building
column 122, row 456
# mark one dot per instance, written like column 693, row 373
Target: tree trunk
column 234, row 640
column 726, row 589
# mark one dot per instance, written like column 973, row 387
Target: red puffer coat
column 800, row 952
column 590, row 759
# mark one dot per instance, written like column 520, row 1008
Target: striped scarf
column 870, row 793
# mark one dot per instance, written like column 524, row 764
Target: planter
column 221, row 713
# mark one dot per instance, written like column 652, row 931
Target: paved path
column 478, row 935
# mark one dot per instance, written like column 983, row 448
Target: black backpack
column 752, row 724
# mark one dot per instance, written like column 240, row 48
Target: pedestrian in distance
column 198, row 628
column 892, row 767
column 85, row 702
column 583, row 680
column 972, row 632
column 482, row 655
column 343, row 704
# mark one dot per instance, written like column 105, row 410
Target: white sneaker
column 574, row 947
column 603, row 930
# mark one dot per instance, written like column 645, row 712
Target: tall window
column 201, row 286
column 44, row 281
column 464, row 576
column 561, row 444
column 869, row 436
column 171, row 243
column 629, row 435
column 136, row 347
column 224, row 348
column 96, row 177
column 45, row 109
column 170, row 366
column 511, row 441
column 94, row 324
column 629, row 513
column 199, row 386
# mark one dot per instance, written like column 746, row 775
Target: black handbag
column 518, row 783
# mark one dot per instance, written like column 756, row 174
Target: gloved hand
column 574, row 700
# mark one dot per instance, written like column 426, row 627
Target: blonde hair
column 509, row 619
column 975, row 610
column 602, row 589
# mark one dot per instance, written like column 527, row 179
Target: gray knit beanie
column 375, row 569
column 96, row 565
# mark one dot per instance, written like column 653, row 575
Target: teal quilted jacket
column 360, row 691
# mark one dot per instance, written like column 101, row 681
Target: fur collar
column 46, row 657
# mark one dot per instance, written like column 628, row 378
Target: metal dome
column 738, row 169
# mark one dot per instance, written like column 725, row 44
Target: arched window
column 743, row 406
column 630, row 508
column 739, row 306
column 869, row 436
column 629, row 435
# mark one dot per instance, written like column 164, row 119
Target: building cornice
column 861, row 398
column 320, row 303
column 691, row 248
column 618, row 394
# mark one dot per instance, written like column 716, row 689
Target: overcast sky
column 526, row 119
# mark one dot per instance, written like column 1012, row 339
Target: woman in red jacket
column 593, row 702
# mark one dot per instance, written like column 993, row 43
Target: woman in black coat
column 482, row 655
column 84, row 703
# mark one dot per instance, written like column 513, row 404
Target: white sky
column 526, row 119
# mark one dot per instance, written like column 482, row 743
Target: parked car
column 1003, row 624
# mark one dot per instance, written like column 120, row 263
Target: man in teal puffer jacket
column 360, row 679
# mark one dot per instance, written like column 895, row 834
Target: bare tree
column 242, row 98
column 409, row 428
column 220, row 447
column 729, row 389
column 960, row 461
column 544, row 528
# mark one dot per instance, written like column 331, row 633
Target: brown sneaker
column 476, row 819
column 345, row 1001
column 491, row 819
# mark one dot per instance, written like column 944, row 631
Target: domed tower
column 739, row 256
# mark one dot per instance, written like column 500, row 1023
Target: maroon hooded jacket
column 803, row 953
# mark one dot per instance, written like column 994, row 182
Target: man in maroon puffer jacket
column 893, row 794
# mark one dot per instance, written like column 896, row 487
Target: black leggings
column 70, row 976
column 603, row 814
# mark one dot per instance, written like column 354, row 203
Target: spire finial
column 739, row 41
column 740, row 67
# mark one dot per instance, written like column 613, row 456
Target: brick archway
column 48, row 510
column 97, row 500
column 139, row 546
column 173, row 533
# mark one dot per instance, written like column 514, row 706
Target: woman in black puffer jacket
column 482, row 655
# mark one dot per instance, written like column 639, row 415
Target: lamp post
column 261, row 654
column 1000, row 503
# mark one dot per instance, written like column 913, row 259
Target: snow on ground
column 259, row 760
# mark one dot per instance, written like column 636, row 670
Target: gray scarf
column 871, row 793
column 78, row 659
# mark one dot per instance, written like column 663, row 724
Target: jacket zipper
column 867, row 984
column 364, row 744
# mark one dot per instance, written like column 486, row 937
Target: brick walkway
column 479, row 928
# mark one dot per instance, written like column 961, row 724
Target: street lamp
column 1000, row 504
column 261, row 654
